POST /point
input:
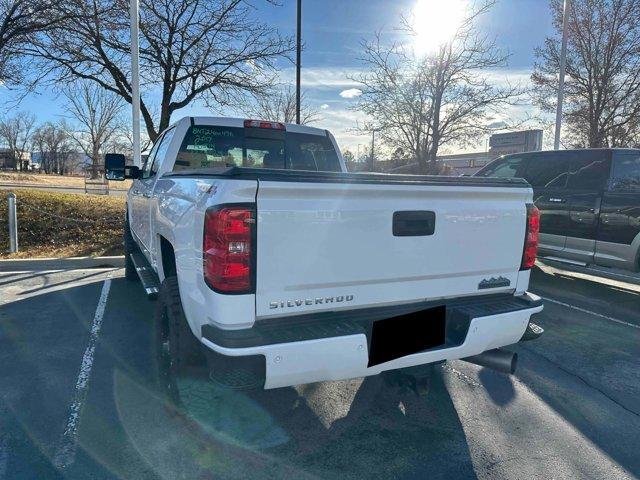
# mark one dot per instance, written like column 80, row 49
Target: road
column 53, row 188
column 79, row 399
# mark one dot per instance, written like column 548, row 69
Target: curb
column 37, row 186
column 70, row 263
column 617, row 274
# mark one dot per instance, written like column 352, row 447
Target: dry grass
column 68, row 181
column 64, row 224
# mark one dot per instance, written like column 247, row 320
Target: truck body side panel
column 179, row 212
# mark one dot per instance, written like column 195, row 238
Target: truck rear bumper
column 488, row 325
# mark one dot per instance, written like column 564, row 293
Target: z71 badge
column 494, row 283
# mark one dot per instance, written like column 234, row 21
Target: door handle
column 557, row 200
column 413, row 223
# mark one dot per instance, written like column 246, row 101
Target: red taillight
column 228, row 248
column 263, row 124
column 532, row 237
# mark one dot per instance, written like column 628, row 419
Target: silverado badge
column 299, row 302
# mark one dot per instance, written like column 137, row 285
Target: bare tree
column 97, row 112
column 54, row 145
column 124, row 142
column 19, row 20
column 213, row 50
column 279, row 105
column 421, row 104
column 348, row 155
column 16, row 133
column 602, row 87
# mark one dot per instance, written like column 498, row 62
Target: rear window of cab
column 213, row 146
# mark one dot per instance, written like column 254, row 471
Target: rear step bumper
column 297, row 353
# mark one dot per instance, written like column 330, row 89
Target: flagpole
column 298, row 55
column 135, row 80
column 563, row 63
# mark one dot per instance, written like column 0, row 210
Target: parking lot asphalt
column 79, row 398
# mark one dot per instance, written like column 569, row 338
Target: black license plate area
column 403, row 335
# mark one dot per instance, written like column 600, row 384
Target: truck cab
column 188, row 145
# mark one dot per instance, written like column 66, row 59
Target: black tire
column 179, row 354
column 129, row 248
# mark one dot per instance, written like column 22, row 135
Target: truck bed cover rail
column 278, row 175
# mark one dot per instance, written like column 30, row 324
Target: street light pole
column 298, row 55
column 135, row 80
column 563, row 62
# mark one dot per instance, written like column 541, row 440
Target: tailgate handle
column 414, row 223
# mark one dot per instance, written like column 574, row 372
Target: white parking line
column 66, row 452
column 56, row 270
column 15, row 272
column 584, row 310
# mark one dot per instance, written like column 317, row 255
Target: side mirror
column 114, row 164
column 115, row 168
column 131, row 171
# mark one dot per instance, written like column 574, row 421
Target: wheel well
column 168, row 258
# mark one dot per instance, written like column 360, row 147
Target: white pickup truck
column 275, row 267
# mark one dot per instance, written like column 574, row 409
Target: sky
column 332, row 34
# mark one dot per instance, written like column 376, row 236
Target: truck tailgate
column 330, row 246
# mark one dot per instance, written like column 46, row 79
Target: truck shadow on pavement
column 498, row 386
column 586, row 367
column 347, row 429
column 127, row 429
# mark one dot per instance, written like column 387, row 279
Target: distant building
column 466, row 163
column 515, row 142
column 74, row 162
column 7, row 160
column 499, row 144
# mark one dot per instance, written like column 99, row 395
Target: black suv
column 589, row 202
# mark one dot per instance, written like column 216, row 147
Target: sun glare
column 435, row 22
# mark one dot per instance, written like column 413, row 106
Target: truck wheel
column 180, row 360
column 129, row 248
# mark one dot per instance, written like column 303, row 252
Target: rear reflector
column 532, row 237
column 263, row 124
column 227, row 247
